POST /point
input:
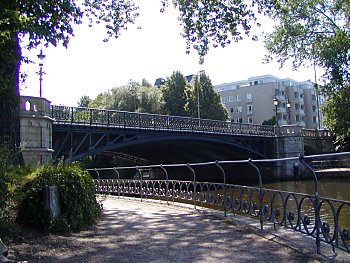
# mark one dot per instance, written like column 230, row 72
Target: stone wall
column 36, row 130
column 289, row 143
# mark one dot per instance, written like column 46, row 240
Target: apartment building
column 260, row 98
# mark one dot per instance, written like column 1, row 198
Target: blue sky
column 90, row 66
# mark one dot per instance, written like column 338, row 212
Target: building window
column 296, row 95
column 296, row 106
column 284, row 117
column 297, row 118
column 249, row 97
column 239, row 109
column 313, row 97
column 223, row 99
column 283, row 93
column 238, row 97
column 230, row 98
column 314, row 119
column 256, row 82
column 249, row 109
column 231, row 110
column 313, row 108
column 301, row 95
column 302, row 106
column 303, row 118
column 250, row 119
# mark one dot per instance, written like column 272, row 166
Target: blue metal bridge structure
column 79, row 132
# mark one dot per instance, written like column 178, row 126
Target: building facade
column 261, row 98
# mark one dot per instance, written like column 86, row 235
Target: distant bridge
column 76, row 132
column 80, row 132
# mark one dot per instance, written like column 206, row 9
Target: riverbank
column 134, row 231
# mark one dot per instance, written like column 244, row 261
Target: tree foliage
column 174, row 94
column 271, row 122
column 78, row 205
column 133, row 97
column 84, row 101
column 216, row 21
column 51, row 22
column 317, row 31
column 204, row 94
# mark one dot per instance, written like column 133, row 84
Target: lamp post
column 198, row 107
column 198, row 82
column 275, row 102
column 288, row 110
column 41, row 57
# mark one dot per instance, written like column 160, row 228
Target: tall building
column 260, row 98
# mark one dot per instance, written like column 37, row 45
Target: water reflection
column 337, row 188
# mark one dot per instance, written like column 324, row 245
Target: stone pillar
column 289, row 143
column 36, row 130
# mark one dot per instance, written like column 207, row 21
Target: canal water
column 337, row 188
column 334, row 188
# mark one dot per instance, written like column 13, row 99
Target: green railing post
column 316, row 203
column 225, row 194
column 250, row 162
column 194, row 185
column 167, row 184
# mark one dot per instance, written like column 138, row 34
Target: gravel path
column 134, row 231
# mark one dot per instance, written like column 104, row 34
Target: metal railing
column 300, row 212
column 124, row 119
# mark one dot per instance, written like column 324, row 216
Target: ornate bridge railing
column 112, row 118
column 318, row 217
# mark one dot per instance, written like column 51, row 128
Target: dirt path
column 131, row 231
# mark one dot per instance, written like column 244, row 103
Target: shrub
column 79, row 208
column 7, row 157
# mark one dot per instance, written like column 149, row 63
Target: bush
column 79, row 208
column 7, row 168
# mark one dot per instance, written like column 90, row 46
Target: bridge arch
column 179, row 149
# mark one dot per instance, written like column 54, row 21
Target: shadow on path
column 134, row 231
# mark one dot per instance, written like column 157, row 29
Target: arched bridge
column 79, row 132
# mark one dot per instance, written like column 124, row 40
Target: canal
column 337, row 188
column 333, row 188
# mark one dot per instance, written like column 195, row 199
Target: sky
column 90, row 66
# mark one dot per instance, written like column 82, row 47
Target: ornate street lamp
column 41, row 57
column 275, row 103
column 288, row 110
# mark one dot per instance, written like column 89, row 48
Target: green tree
column 204, row 94
column 133, row 97
column 338, row 117
column 51, row 22
column 122, row 98
column 84, row 101
column 100, row 102
column 316, row 31
column 150, row 100
column 270, row 122
column 174, row 94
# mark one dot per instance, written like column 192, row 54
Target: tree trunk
column 10, row 58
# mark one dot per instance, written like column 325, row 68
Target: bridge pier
column 289, row 143
column 36, row 130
